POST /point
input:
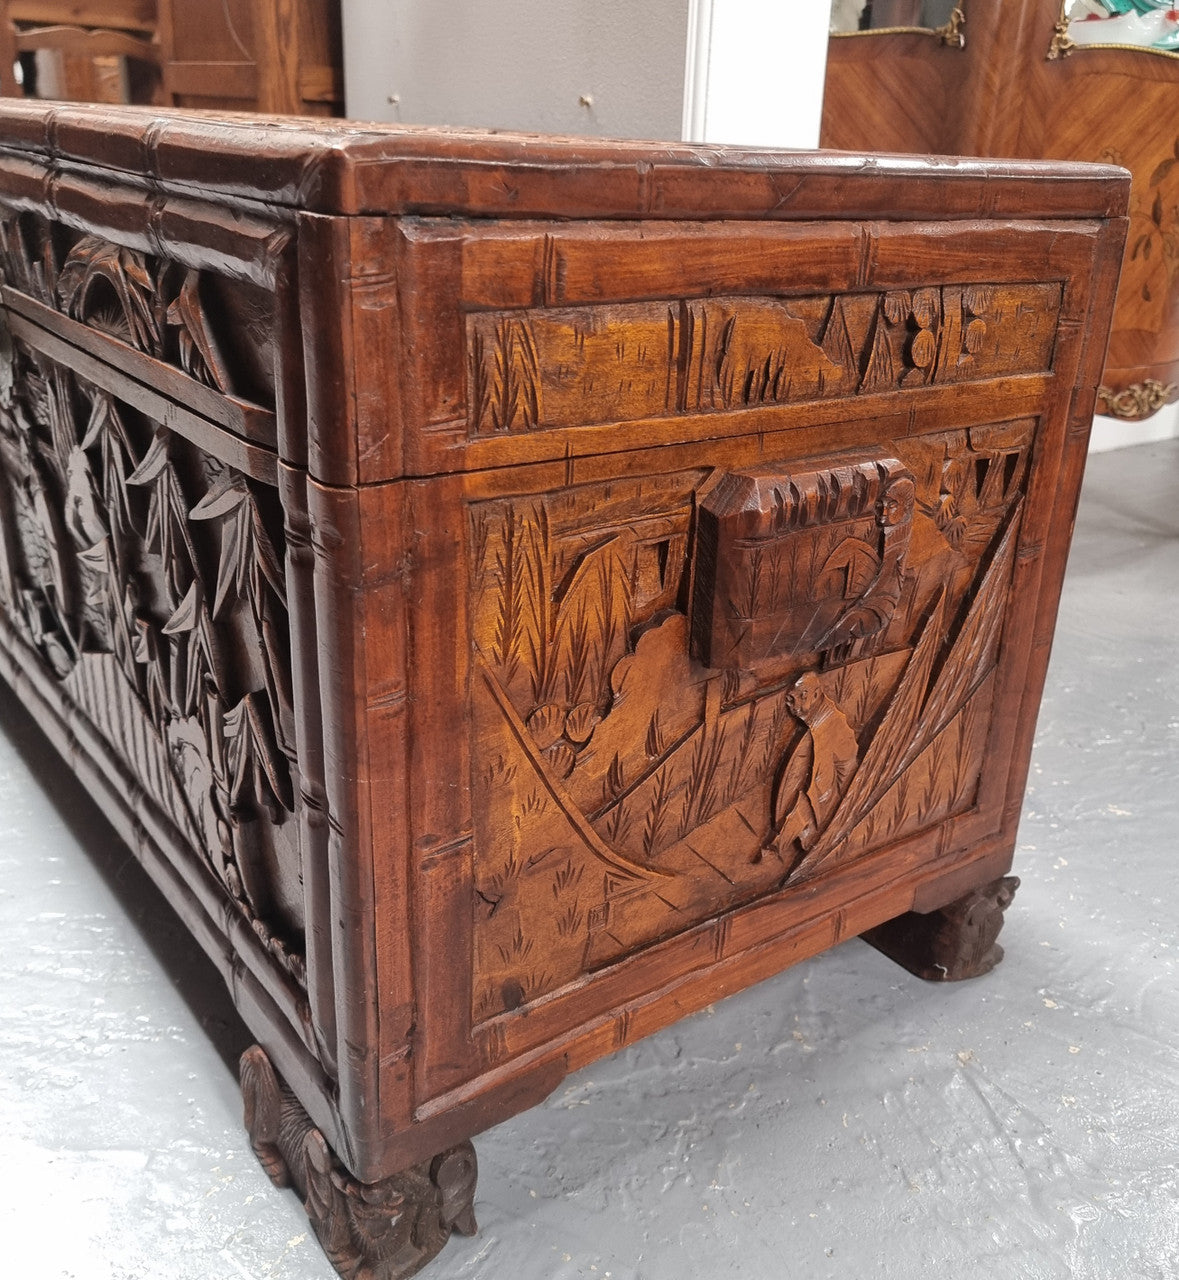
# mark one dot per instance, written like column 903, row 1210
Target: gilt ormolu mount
column 510, row 592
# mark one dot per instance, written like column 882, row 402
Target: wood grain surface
column 505, row 625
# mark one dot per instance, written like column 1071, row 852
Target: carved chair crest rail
column 513, row 591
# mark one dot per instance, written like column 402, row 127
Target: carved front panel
column 574, row 366
column 149, row 578
column 695, row 689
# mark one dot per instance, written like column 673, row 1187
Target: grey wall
column 519, row 65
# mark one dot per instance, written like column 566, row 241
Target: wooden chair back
column 90, row 50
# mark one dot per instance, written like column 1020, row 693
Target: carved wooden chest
column 512, row 592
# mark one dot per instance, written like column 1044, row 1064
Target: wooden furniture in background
column 253, row 55
column 281, row 56
column 513, row 592
column 89, row 50
column 1016, row 87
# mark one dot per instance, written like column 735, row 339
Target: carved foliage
column 575, row 366
column 370, row 1231
column 628, row 786
column 156, row 306
column 1137, row 401
column 149, row 577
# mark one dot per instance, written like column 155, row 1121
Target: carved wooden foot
column 957, row 942
column 379, row 1231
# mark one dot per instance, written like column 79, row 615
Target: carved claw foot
column 378, row 1231
column 957, row 942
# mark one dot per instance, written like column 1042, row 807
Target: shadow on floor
column 191, row 972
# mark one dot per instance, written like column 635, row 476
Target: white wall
column 607, row 67
column 1109, row 433
column 755, row 71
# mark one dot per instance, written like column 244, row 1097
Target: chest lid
column 384, row 301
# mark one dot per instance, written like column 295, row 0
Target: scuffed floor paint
column 841, row 1120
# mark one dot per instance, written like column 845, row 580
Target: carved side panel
column 630, row 783
column 566, row 367
column 149, row 577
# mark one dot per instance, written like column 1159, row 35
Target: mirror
column 1141, row 24
column 849, row 17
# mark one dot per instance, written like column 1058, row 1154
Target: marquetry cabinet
column 513, row 591
column 1069, row 79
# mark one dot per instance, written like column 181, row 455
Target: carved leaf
column 225, row 496
column 897, row 306
column 976, row 332
column 93, row 261
column 154, row 461
column 249, row 741
column 579, row 723
column 858, row 561
column 547, row 724
column 194, row 654
column 926, row 306
column 199, row 353
column 924, row 349
column 187, row 613
column 245, row 545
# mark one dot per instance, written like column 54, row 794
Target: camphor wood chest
column 512, row 592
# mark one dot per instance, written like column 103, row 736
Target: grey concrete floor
column 842, row 1119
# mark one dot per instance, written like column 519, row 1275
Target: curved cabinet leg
column 958, row 941
column 370, row 1231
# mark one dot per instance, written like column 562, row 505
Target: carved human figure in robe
column 816, row 773
column 869, row 612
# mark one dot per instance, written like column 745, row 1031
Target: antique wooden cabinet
column 513, row 592
column 1070, row 79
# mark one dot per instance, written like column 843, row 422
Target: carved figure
column 817, row 771
column 870, row 612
